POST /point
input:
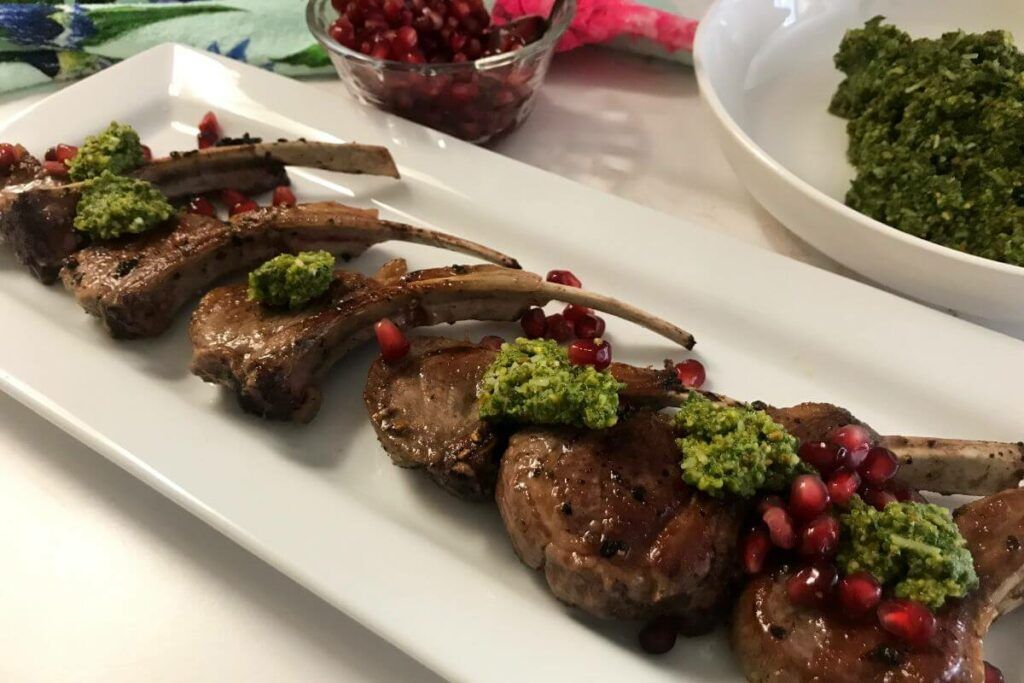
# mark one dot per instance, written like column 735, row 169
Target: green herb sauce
column 734, row 449
column 113, row 205
column 117, row 149
column 292, row 280
column 914, row 547
column 533, row 382
column 935, row 130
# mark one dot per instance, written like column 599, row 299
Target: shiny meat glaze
column 426, row 414
column 296, row 348
column 608, row 518
column 137, row 285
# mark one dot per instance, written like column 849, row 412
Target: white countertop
column 105, row 580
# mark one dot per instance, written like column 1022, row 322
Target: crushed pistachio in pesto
column 292, row 280
column 935, row 130
column 532, row 381
column 914, row 547
column 734, row 449
column 113, row 205
column 117, row 149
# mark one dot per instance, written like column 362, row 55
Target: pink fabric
column 599, row 20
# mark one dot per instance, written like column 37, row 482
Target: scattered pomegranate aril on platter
column 812, row 586
column 201, row 206
column 910, row 621
column 808, row 497
column 574, row 312
column 754, row 550
column 8, row 156
column 780, row 527
column 856, row 440
column 564, row 277
column 879, row 466
column 993, row 674
column 824, row 457
column 209, row 130
column 393, row 343
column 859, row 594
column 594, row 352
column 64, row 153
column 819, row 540
column 842, row 486
column 589, row 327
column 558, row 328
column 876, row 498
column 534, row 323
column 56, row 169
column 691, row 373
column 283, row 196
column 658, row 636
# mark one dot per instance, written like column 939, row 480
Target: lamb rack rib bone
column 274, row 360
column 137, row 286
column 37, row 218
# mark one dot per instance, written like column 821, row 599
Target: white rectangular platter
column 323, row 503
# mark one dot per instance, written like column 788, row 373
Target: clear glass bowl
column 476, row 101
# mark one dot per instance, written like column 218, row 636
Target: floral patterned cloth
column 43, row 40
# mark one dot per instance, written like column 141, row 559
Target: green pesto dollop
column 292, row 280
column 935, row 129
column 117, row 149
column 113, row 205
column 914, row 547
column 734, row 449
column 532, row 381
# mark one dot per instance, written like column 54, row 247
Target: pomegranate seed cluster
column 804, row 528
column 475, row 103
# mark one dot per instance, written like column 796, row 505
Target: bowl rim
column 545, row 43
column 714, row 102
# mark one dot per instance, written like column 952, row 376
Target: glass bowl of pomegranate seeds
column 441, row 63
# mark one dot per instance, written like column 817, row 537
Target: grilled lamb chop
column 607, row 517
column 36, row 219
column 426, row 414
column 778, row 642
column 274, row 359
column 136, row 286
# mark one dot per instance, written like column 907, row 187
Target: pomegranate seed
column 147, row 154
column 993, row 675
column 394, row 345
column 859, row 594
column 232, row 197
column 564, row 277
column 65, row 153
column 591, row 352
column 283, row 196
column 8, row 157
column 819, row 540
column 808, row 497
column 406, row 36
column 209, row 124
column 659, row 635
column 879, row 466
column 202, row 206
column 824, row 457
column 876, row 498
column 51, row 154
column 905, row 494
column 55, row 169
column 573, row 312
column 812, row 586
column 910, row 621
column 534, row 323
column 243, row 207
column 754, row 551
column 691, row 373
column 856, row 440
column 558, row 328
column 842, row 486
column 589, row 327
column 206, row 140
column 780, row 527
column 492, row 341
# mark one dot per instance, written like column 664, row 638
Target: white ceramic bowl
column 765, row 71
